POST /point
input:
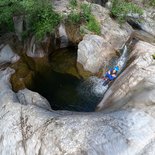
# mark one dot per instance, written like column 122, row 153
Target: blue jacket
column 109, row 75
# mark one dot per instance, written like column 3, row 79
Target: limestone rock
column 39, row 49
column 73, row 33
column 111, row 30
column 93, row 52
column 148, row 22
column 7, row 55
column 141, row 69
column 61, row 5
column 27, row 128
column 26, row 97
column 61, row 36
column 145, row 22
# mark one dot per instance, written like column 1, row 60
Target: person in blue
column 110, row 75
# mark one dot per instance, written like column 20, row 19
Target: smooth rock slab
column 139, row 71
column 93, row 52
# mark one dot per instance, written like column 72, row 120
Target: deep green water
column 64, row 91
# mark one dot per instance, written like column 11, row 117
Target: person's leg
column 106, row 81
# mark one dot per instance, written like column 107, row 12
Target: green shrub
column 93, row 25
column 73, row 4
column 153, row 56
column 84, row 16
column 120, row 9
column 86, row 11
column 74, row 17
column 43, row 21
column 40, row 15
column 150, row 2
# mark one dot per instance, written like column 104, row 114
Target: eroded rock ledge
column 29, row 126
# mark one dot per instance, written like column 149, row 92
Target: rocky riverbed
column 123, row 122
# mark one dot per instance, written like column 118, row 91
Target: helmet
column 116, row 68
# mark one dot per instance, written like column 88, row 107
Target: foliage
column 153, row 56
column 86, row 11
column 73, row 4
column 41, row 18
column 74, row 17
column 39, row 13
column 120, row 9
column 93, row 25
column 152, row 2
column 149, row 2
column 84, row 16
column 43, row 21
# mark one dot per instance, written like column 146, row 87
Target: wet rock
column 136, row 77
column 143, row 36
column 29, row 126
column 35, row 48
column 24, row 73
column 85, row 74
column 94, row 52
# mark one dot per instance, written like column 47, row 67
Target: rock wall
column 33, row 128
column 29, row 126
column 39, row 49
column 138, row 76
column 111, row 30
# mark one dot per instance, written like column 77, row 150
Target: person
column 110, row 75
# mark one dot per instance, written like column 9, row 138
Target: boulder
column 111, row 30
column 38, row 100
column 60, row 5
column 94, row 52
column 114, row 33
column 148, row 21
column 145, row 22
column 7, row 55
